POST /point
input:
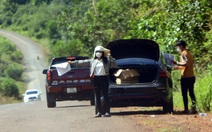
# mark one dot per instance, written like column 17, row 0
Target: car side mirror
column 45, row 71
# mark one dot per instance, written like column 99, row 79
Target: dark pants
column 187, row 84
column 101, row 88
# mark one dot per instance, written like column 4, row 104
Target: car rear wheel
column 51, row 100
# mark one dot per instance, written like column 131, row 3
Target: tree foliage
column 98, row 21
column 163, row 21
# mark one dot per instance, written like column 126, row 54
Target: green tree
column 169, row 21
column 7, row 11
column 97, row 23
column 53, row 32
column 21, row 2
column 70, row 48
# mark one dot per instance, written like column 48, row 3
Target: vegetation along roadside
column 11, row 81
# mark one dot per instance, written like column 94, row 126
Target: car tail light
column 163, row 74
column 48, row 75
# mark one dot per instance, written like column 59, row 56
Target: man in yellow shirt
column 187, row 75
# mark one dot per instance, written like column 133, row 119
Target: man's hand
column 174, row 62
column 175, row 68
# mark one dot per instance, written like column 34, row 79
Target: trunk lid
column 131, row 48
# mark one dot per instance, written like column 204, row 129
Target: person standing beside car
column 99, row 71
column 187, row 75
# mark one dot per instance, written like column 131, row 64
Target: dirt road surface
column 78, row 116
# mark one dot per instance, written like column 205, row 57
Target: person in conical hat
column 99, row 71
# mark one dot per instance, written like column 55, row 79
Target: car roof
column 32, row 90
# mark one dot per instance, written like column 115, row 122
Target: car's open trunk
column 144, row 74
column 141, row 56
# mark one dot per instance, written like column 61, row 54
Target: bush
column 203, row 90
column 14, row 71
column 17, row 56
column 9, row 88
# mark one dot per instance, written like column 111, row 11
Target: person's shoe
column 194, row 111
column 98, row 115
column 106, row 115
column 185, row 112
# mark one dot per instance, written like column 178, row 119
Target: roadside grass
column 177, row 101
column 170, row 129
column 8, row 100
column 21, row 87
column 203, row 90
column 177, row 96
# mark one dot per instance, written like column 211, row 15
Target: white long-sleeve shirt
column 99, row 69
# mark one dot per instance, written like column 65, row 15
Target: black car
column 142, row 79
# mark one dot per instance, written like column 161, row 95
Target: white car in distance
column 32, row 95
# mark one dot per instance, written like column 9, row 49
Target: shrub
column 203, row 90
column 9, row 88
column 14, row 71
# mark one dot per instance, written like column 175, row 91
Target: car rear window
column 64, row 59
column 31, row 92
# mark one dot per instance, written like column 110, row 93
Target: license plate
column 71, row 90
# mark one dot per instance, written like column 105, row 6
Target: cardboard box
column 127, row 76
column 128, row 73
column 128, row 80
